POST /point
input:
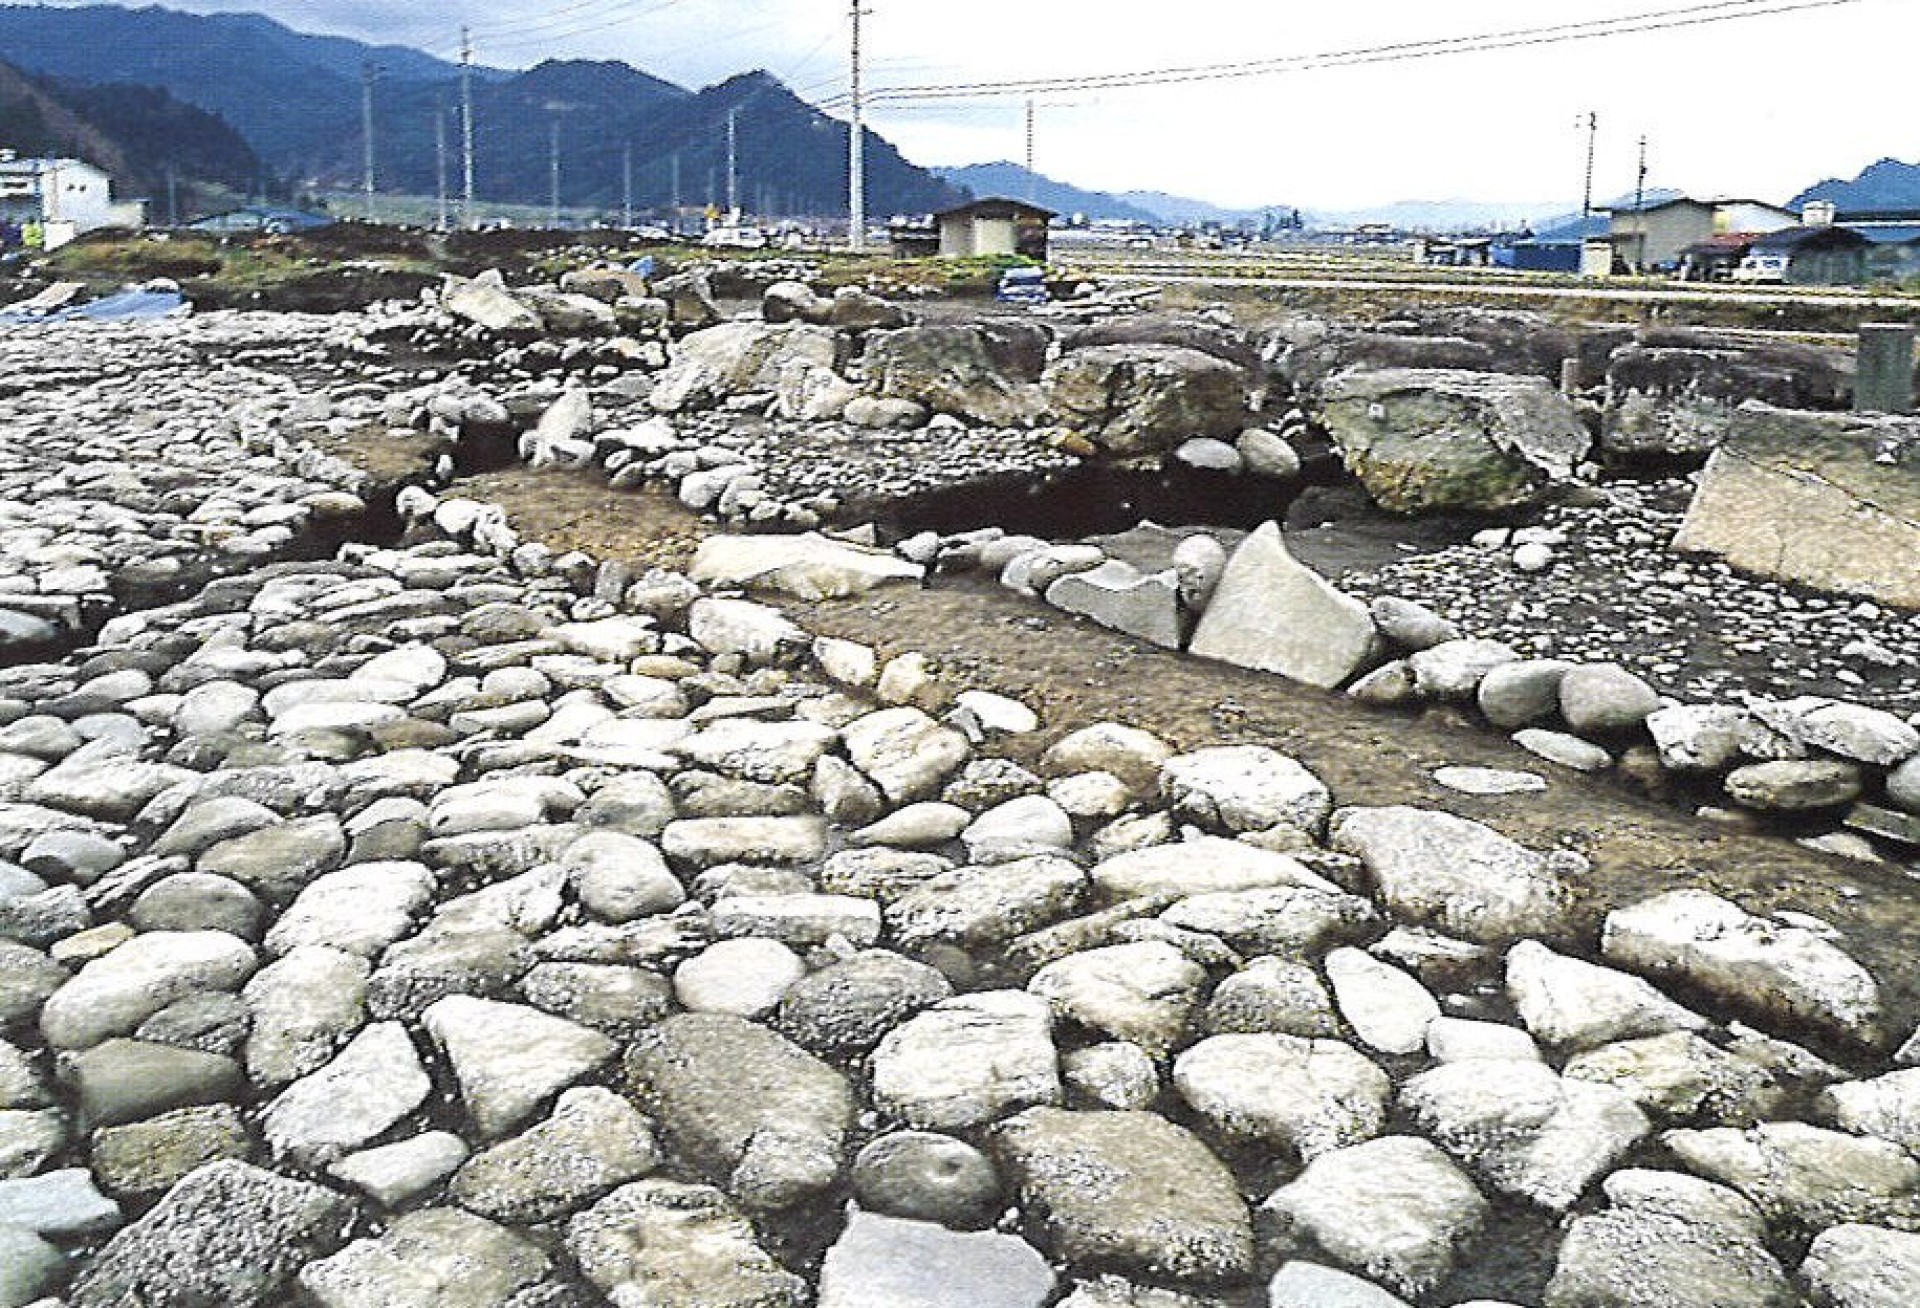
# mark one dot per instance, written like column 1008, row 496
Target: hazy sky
column 1761, row 106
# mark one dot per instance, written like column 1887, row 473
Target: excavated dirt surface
column 1075, row 673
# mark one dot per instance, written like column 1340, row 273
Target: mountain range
column 1883, row 187
column 148, row 141
column 1156, row 208
column 297, row 100
column 154, row 95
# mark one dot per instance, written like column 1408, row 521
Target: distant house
column 913, row 236
column 1893, row 237
column 1813, row 256
column 64, row 196
column 994, row 226
column 1553, row 249
column 1455, row 251
column 1893, row 249
column 1654, row 235
column 259, row 219
column 1714, row 259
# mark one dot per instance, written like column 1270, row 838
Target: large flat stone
column 1830, row 500
column 1275, row 614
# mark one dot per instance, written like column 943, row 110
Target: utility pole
column 733, row 171
column 440, row 164
column 673, row 188
column 856, row 154
column 626, row 185
column 553, row 171
column 369, row 74
column 1639, row 208
column 1593, row 133
column 173, row 197
column 1032, row 180
column 466, row 129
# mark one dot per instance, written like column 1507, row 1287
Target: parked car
column 735, row 238
column 1768, row 268
column 1022, row 286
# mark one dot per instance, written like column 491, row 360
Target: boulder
column 1302, row 1097
column 1667, row 1239
column 736, row 358
column 432, row 1258
column 908, row 1264
column 1197, row 867
column 1829, row 500
column 486, row 302
column 1807, row 1178
column 1522, row 1128
column 665, row 1244
column 1395, row 1209
column 1779, row 973
column 1570, row 1003
column 1135, row 400
column 1300, row 1284
column 744, row 1105
column 1438, row 440
column 1144, row 992
column 1795, row 785
column 1604, row 699
column 373, row 1083
column 1852, row 731
column 114, row 994
column 1272, row 613
column 1237, row 788
column 926, row 1177
column 1455, row 874
column 507, row 1058
column 968, row 1060
column 855, row 310
column 593, row 1141
column 229, row 1234
column 1858, row 1266
column 1886, row 1106
column 1185, row 330
column 984, row 372
column 1128, row 1191
column 809, row 566
column 1454, row 671
column 1671, row 402
column 1388, row 1010
column 1119, row 596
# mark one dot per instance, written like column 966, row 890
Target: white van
column 735, row 238
column 1767, row 268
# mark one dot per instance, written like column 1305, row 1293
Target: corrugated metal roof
column 1888, row 233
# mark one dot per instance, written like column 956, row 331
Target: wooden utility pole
column 1593, row 135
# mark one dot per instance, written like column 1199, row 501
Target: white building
column 67, row 196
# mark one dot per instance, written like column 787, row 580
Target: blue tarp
column 123, row 306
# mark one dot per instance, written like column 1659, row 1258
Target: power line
column 1552, row 34
column 586, row 16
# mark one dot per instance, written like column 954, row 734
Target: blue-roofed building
column 1553, row 249
column 1806, row 256
column 1893, row 248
